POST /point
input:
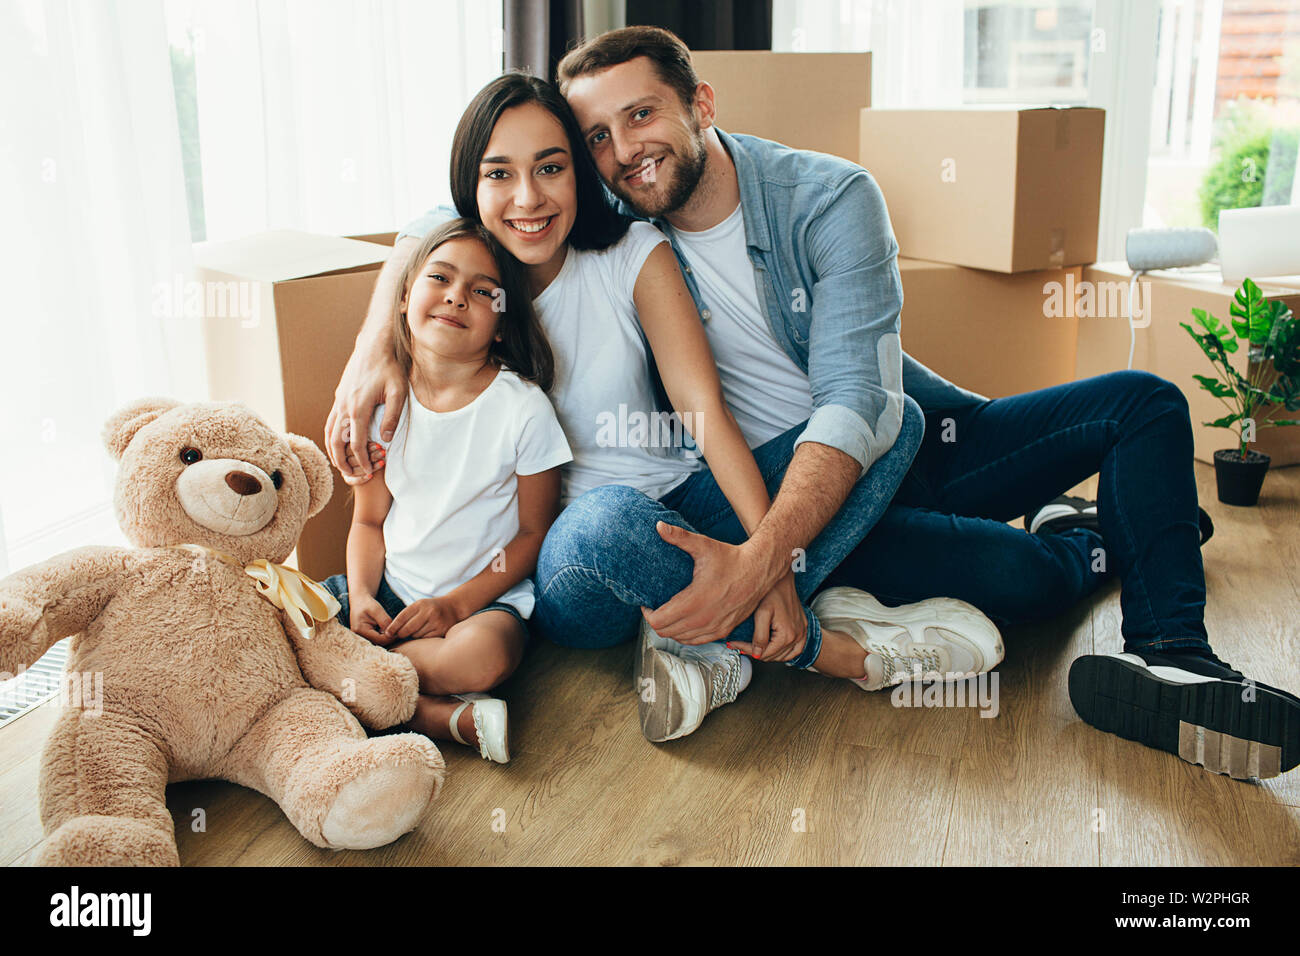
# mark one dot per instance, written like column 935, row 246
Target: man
column 982, row 463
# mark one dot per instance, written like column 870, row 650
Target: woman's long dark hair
column 597, row 224
column 523, row 347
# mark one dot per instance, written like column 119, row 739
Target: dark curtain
column 539, row 32
column 708, row 24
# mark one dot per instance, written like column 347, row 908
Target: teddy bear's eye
column 277, row 479
column 190, row 455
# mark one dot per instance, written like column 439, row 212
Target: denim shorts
column 337, row 585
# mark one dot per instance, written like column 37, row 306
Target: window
column 329, row 116
column 1018, row 53
column 1225, row 118
column 950, row 53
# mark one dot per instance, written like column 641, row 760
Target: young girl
column 444, row 539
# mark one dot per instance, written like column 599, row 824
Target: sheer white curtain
column 325, row 116
column 332, row 116
column 916, row 47
column 95, row 228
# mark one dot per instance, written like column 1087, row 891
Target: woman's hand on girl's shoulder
column 428, row 617
column 377, row 459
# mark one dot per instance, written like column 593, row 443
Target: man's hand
column 726, row 586
column 363, row 386
column 780, row 625
column 428, row 617
column 368, row 618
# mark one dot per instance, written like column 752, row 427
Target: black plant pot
column 1240, row 478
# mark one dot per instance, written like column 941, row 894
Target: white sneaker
column 937, row 639
column 678, row 684
column 491, row 726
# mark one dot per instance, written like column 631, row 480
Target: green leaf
column 1225, row 422
column 1253, row 313
column 1209, row 322
column 1214, row 386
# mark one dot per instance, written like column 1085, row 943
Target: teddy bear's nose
column 242, row 483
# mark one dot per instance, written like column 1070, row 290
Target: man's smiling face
column 646, row 143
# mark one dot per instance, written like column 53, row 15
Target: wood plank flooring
column 809, row 770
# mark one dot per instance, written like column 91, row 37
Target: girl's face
column 449, row 306
column 527, row 191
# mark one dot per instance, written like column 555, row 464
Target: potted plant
column 1271, row 383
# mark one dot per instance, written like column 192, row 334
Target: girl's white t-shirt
column 604, row 393
column 453, row 479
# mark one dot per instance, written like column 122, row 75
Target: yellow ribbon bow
column 302, row 599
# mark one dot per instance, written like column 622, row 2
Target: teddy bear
column 217, row 661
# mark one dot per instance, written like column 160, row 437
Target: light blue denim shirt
column 825, row 267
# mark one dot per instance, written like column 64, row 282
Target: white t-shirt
column 455, row 491
column 608, row 408
column 767, row 393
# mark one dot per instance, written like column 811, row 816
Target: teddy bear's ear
column 320, row 479
column 123, row 425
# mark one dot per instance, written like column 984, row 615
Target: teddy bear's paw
column 108, row 841
column 391, row 688
column 22, row 627
column 386, row 784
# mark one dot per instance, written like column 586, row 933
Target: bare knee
column 490, row 666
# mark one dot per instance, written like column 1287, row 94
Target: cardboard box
column 281, row 313
column 988, row 331
column 1165, row 349
column 1011, row 190
column 804, row 100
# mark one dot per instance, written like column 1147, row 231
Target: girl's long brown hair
column 523, row 348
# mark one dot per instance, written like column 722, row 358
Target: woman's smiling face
column 527, row 191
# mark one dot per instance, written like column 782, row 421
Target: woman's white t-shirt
column 604, row 393
column 453, row 479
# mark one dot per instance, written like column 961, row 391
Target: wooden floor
column 870, row 783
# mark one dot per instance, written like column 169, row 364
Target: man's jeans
column 602, row 561
column 986, row 464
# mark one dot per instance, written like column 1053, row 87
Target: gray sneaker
column 936, row 639
column 678, row 684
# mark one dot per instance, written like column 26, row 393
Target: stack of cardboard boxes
column 995, row 212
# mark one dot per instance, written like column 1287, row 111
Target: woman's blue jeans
column 983, row 465
column 602, row 560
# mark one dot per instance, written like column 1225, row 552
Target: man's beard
column 689, row 172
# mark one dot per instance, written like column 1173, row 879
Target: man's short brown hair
column 670, row 56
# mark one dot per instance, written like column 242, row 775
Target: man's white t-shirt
column 766, row 392
column 604, row 393
column 455, row 491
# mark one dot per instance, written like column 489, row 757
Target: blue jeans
column 986, row 464
column 603, row 560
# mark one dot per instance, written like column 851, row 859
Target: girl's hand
column 377, row 460
column 428, row 617
column 369, row 619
